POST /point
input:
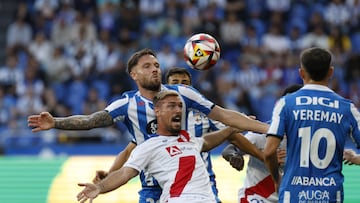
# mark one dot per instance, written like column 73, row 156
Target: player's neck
column 312, row 82
column 148, row 94
column 164, row 132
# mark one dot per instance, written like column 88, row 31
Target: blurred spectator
column 46, row 8
column 167, row 57
column 339, row 45
column 67, row 12
column 86, row 6
column 27, row 104
column 151, row 10
column 61, row 32
column 49, row 100
column 209, row 21
column 291, row 70
column 295, row 40
column 354, row 9
column 108, row 60
column 81, row 63
column 23, row 11
column 352, row 68
column 249, row 77
column 232, row 31
column 19, row 32
column 274, row 41
column 278, row 6
column 354, row 93
column 225, row 83
column 40, row 47
column 57, row 68
column 167, row 27
column 7, row 109
column 251, row 41
column 337, row 14
column 316, row 37
column 83, row 31
column 106, row 16
column 238, row 7
column 273, row 69
column 92, row 102
column 30, row 80
column 11, row 75
column 191, row 15
column 129, row 18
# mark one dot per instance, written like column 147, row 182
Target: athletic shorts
column 150, row 194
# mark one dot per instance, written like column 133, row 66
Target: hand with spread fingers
column 91, row 191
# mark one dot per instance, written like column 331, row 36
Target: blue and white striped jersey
column 316, row 122
column 138, row 114
column 198, row 124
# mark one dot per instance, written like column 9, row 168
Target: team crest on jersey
column 151, row 127
column 173, row 150
column 197, row 118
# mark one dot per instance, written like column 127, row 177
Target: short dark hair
column 162, row 95
column 134, row 59
column 177, row 70
column 316, row 61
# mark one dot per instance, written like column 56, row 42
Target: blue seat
column 76, row 94
column 355, row 42
column 299, row 10
column 102, row 88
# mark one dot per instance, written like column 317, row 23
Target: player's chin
column 176, row 127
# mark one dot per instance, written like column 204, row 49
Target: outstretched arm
column 111, row 182
column 45, row 121
column 237, row 120
column 121, row 158
column 214, row 139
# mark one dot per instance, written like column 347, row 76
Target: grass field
column 35, row 180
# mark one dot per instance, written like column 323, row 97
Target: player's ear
column 330, row 72
column 156, row 110
column 302, row 73
column 133, row 75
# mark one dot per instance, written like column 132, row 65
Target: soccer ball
column 201, row 51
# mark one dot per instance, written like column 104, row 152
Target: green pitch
column 28, row 179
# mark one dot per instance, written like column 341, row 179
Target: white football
column 201, row 51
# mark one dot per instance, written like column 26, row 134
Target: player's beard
column 152, row 85
column 174, row 130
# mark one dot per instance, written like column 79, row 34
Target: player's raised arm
column 237, row 120
column 45, row 121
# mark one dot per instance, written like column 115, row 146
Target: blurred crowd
column 69, row 56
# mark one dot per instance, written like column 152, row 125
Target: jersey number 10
column 310, row 147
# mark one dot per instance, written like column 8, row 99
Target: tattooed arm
column 45, row 121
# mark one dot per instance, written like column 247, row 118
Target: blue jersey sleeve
column 193, row 99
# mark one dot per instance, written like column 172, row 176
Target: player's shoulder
column 130, row 93
column 125, row 95
column 181, row 88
